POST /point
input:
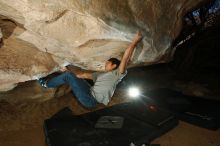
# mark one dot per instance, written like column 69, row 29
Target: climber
column 104, row 82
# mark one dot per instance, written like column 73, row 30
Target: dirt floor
column 183, row 135
column 21, row 124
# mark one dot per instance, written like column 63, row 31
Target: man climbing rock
column 104, row 82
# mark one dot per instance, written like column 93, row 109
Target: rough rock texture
column 1, row 34
column 31, row 91
column 46, row 34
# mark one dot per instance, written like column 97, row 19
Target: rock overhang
column 85, row 34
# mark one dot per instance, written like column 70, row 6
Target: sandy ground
column 183, row 135
column 21, row 124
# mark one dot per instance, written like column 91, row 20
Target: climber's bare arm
column 128, row 52
column 78, row 73
column 84, row 75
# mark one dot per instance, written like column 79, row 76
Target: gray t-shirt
column 105, row 84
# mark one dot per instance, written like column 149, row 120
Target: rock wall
column 41, row 36
column 1, row 34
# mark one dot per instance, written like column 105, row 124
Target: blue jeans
column 79, row 86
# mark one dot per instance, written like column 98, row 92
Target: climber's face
column 109, row 66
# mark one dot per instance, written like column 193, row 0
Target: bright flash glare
column 133, row 92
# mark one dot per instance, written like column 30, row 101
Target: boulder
column 41, row 36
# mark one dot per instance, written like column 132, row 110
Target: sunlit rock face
column 40, row 36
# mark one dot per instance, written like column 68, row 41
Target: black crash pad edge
column 166, row 128
column 172, row 123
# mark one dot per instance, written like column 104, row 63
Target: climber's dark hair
column 115, row 61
